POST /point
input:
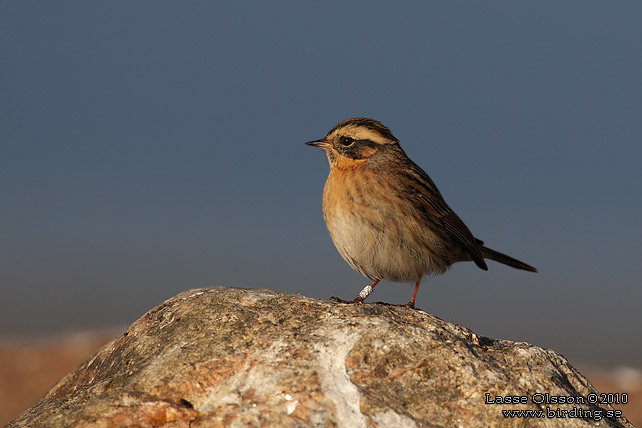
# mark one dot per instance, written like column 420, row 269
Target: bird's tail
column 507, row 260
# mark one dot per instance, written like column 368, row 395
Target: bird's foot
column 357, row 300
column 410, row 305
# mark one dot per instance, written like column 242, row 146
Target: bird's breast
column 374, row 227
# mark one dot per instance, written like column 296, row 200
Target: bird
column 386, row 216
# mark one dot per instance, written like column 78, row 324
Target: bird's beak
column 320, row 144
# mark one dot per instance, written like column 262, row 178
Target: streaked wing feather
column 439, row 213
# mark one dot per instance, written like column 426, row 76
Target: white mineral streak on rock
column 392, row 419
column 335, row 381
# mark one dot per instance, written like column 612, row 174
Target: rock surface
column 227, row 357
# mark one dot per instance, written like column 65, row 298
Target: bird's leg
column 362, row 295
column 411, row 303
column 367, row 290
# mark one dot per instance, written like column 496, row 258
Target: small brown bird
column 386, row 216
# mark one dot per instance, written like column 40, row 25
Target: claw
column 351, row 302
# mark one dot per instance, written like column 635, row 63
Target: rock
column 229, row 357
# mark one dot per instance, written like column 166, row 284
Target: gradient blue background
column 150, row 147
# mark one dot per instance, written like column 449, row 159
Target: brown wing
column 438, row 212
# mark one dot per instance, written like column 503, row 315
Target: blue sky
column 151, row 147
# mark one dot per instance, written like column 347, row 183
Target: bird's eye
column 346, row 141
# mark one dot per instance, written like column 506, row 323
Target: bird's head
column 355, row 141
